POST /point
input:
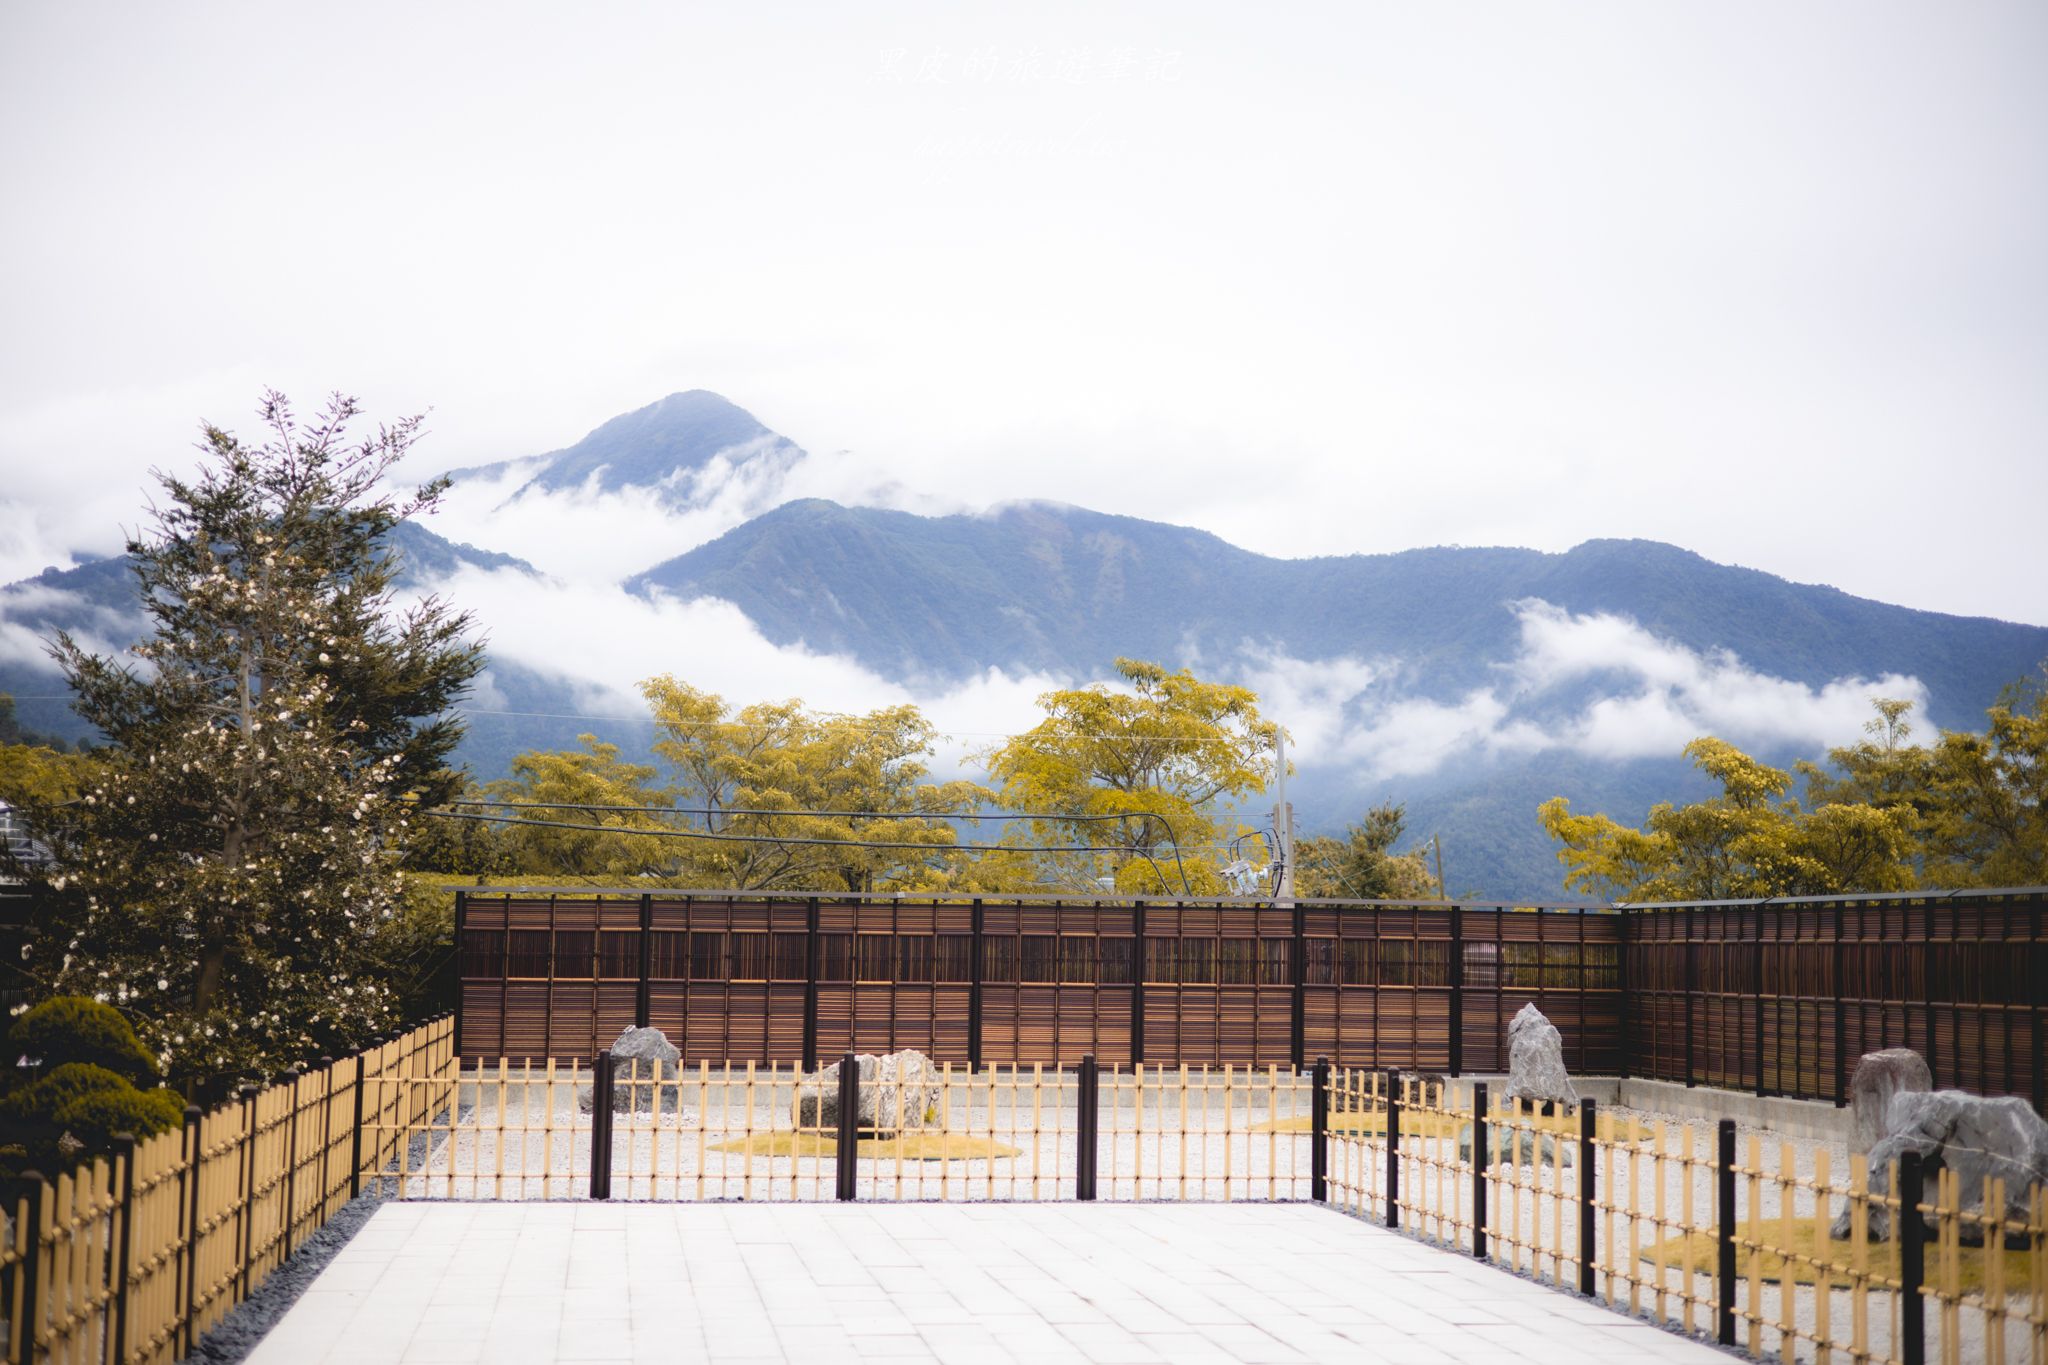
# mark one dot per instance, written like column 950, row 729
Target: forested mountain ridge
column 1056, row 588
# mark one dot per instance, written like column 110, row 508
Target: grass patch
column 908, row 1146
column 1810, row 1244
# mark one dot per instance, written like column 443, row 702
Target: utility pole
column 1283, row 825
column 1442, row 892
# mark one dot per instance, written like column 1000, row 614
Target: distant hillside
column 1059, row 588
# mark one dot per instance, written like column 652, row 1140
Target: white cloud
column 1347, row 712
column 602, row 640
column 97, row 628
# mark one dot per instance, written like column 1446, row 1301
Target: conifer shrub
column 68, row 1029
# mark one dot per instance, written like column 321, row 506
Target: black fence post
column 1297, row 1022
column 2038, row 1010
column 1479, row 1154
column 461, row 914
column 1912, row 1262
column 1589, row 1191
column 1087, row 1131
column 601, row 1126
column 326, row 1135
column 189, row 1194
column 1319, row 1131
column 643, row 1002
column 1842, row 1009
column 124, row 1148
column 811, row 967
column 248, row 1210
column 35, row 1194
column 1691, row 997
column 1724, row 1267
column 1757, row 1002
column 846, row 1151
column 291, row 1168
column 1625, row 1035
column 1393, row 1098
column 355, row 1142
column 1137, row 982
column 974, row 925
column 1457, row 1039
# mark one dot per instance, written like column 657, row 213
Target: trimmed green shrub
column 40, row 1100
column 94, row 1117
column 70, row 1028
column 87, row 1102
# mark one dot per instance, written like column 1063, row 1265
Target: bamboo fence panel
column 130, row 1258
column 133, row 1256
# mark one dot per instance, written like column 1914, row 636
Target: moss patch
column 1810, row 1245
column 1425, row 1125
column 908, row 1146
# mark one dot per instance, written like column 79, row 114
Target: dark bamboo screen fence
column 1778, row 997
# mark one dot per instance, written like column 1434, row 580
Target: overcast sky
column 1769, row 281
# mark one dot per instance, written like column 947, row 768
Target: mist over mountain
column 1470, row 683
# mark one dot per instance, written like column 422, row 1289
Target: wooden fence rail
column 132, row 1256
column 1779, row 997
column 989, row 981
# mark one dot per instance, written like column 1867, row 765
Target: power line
column 802, row 839
column 846, row 726
column 1172, row 835
column 1160, row 816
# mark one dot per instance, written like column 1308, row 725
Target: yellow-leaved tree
column 1163, row 752
column 1753, row 840
column 815, row 784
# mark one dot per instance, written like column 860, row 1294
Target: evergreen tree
column 225, row 874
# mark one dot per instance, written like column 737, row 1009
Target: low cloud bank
column 1350, row 713
column 600, row 640
column 1354, row 713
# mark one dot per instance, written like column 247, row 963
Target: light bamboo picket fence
column 735, row 1131
column 1683, row 1226
column 131, row 1257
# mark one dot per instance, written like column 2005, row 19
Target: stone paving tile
column 1115, row 1284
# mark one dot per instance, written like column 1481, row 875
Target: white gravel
column 530, row 1141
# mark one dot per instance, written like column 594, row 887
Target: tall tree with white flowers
column 229, row 870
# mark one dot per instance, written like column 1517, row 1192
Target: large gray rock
column 898, row 1092
column 1536, row 1060
column 1977, row 1138
column 1878, row 1077
column 656, row 1059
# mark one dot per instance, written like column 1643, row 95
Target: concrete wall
column 1815, row 1120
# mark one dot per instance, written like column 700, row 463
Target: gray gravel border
column 234, row 1336
column 229, row 1341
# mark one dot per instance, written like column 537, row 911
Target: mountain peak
column 662, row 447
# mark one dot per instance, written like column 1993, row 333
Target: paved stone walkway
column 517, row 1284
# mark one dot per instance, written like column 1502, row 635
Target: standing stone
column 898, row 1092
column 1536, row 1060
column 657, row 1059
column 1977, row 1138
column 1878, row 1077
